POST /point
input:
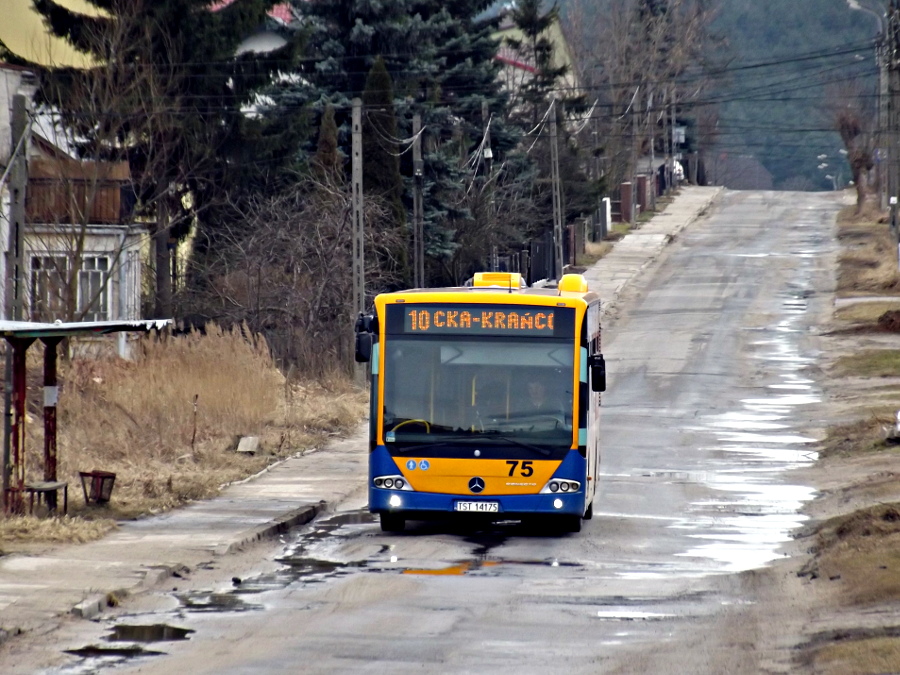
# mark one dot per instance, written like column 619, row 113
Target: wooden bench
column 42, row 488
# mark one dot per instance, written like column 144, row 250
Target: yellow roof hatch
column 575, row 283
column 498, row 279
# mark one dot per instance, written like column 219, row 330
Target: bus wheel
column 392, row 522
column 570, row 523
column 590, row 511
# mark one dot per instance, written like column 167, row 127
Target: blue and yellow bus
column 484, row 401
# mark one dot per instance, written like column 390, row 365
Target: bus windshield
column 493, row 390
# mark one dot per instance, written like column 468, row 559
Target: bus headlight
column 391, row 483
column 395, row 501
column 557, row 503
column 561, row 485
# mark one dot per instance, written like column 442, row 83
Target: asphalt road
column 712, row 400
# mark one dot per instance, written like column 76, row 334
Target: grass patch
column 865, row 312
column 166, row 424
column 868, row 260
column 594, row 251
column 22, row 529
column 858, row 437
column 861, row 657
column 869, row 363
column 862, row 551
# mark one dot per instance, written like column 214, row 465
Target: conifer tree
column 327, row 162
column 188, row 119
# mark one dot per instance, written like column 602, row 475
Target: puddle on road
column 126, row 644
column 751, row 512
column 209, row 601
column 632, row 616
column 157, row 632
column 105, row 651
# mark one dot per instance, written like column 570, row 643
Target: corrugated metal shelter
column 20, row 335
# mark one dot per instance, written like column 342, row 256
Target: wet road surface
column 712, row 399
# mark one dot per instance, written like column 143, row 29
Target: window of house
column 93, row 289
column 50, row 288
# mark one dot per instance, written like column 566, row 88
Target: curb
column 279, row 525
column 95, row 604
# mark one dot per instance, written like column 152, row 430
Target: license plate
column 480, row 507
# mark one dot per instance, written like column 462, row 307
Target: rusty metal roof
column 14, row 329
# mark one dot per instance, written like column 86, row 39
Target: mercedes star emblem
column 476, row 485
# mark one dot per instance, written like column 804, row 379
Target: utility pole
column 892, row 53
column 418, row 215
column 651, row 124
column 15, row 255
column 358, row 260
column 488, row 154
column 881, row 166
column 18, row 180
column 595, row 166
column 634, row 153
column 557, row 195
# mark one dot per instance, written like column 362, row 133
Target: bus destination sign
column 485, row 320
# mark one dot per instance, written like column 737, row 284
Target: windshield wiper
column 437, row 444
column 511, row 439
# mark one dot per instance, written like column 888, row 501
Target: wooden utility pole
column 418, row 207
column 357, row 262
column 557, row 195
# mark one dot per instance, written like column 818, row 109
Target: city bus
column 484, row 401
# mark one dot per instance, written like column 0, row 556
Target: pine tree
column 442, row 65
column 381, row 166
column 327, row 162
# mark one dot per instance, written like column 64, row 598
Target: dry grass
column 862, row 657
column 24, row 529
column 869, row 363
column 862, row 550
column 594, row 251
column 858, row 437
column 868, row 261
column 167, row 423
column 866, row 312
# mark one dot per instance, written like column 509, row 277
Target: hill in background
column 785, row 66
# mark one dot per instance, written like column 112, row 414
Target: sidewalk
column 37, row 592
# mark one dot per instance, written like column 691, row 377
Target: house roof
column 33, row 329
column 24, row 32
column 280, row 12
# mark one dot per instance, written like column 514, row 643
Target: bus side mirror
column 364, row 347
column 365, row 337
column 598, row 373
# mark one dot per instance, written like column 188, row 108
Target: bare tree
column 285, row 272
column 854, row 120
column 638, row 56
column 123, row 113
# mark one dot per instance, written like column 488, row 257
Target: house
column 519, row 66
column 83, row 252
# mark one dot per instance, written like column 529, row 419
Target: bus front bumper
column 507, row 506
